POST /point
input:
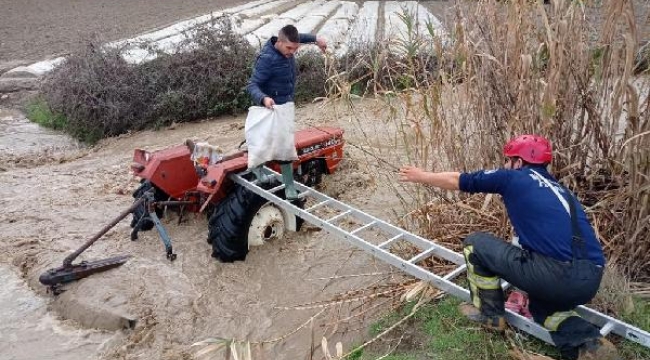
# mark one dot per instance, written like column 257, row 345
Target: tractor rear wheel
column 243, row 219
column 266, row 225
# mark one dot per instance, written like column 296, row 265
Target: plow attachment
column 70, row 272
column 65, row 274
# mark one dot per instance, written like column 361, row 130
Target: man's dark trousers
column 555, row 288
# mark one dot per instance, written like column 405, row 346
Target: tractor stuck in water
column 193, row 177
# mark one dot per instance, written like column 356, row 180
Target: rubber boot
column 487, row 307
column 259, row 175
column 491, row 312
column 575, row 336
column 494, row 323
column 287, row 178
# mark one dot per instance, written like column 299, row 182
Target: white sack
column 270, row 134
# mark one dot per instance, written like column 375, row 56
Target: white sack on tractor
column 270, row 134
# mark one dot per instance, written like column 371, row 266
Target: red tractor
column 237, row 217
column 174, row 178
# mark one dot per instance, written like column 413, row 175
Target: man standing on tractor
column 274, row 81
column 556, row 257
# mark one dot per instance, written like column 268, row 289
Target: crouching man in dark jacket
column 558, row 260
column 274, row 81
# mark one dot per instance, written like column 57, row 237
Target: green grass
column 391, row 318
column 356, row 355
column 39, row 112
column 449, row 336
column 640, row 317
column 399, row 357
column 454, row 338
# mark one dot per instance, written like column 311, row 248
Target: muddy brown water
column 55, row 194
column 29, row 331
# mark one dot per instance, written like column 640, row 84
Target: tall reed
column 565, row 70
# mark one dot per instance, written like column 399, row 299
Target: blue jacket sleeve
column 261, row 74
column 307, row 38
column 485, row 181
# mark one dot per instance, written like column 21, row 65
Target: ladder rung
column 457, row 271
column 317, row 205
column 363, row 227
column 607, row 328
column 304, row 194
column 505, row 285
column 334, row 218
column 275, row 189
column 423, row 255
column 389, row 241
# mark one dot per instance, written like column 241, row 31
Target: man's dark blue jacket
column 534, row 201
column 274, row 74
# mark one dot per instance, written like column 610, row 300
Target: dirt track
column 36, row 29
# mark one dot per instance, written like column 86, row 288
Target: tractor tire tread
column 230, row 222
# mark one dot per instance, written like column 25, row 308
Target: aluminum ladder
column 371, row 226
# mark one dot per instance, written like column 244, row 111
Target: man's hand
column 322, row 43
column 443, row 180
column 268, row 102
column 412, row 174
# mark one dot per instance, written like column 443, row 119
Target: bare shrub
column 310, row 82
column 95, row 91
column 101, row 95
column 375, row 68
column 209, row 80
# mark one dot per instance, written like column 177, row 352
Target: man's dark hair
column 525, row 163
column 289, row 33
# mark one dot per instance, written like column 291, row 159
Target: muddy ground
column 55, row 196
column 34, row 30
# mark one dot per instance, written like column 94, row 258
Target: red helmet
column 533, row 149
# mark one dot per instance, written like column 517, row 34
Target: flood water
column 29, row 332
column 55, row 194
